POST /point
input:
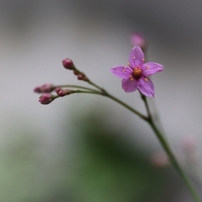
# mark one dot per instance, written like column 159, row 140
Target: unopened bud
column 68, row 64
column 45, row 88
column 137, row 39
column 82, row 77
column 62, row 92
column 46, row 98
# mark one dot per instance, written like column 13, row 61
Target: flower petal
column 129, row 85
column 146, row 87
column 136, row 57
column 121, row 71
column 151, row 68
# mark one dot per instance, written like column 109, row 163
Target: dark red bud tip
column 46, row 98
column 68, row 64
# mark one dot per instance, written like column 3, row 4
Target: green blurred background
column 95, row 163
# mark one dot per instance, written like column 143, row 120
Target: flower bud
column 46, row 98
column 137, row 39
column 68, row 64
column 82, row 77
column 62, row 92
column 45, row 88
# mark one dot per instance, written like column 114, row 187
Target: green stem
column 89, row 92
column 105, row 93
column 146, row 104
column 125, row 105
column 76, row 86
column 93, row 84
column 174, row 161
column 170, row 154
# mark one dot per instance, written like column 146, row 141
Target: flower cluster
column 50, row 92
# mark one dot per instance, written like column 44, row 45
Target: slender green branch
column 125, row 105
column 105, row 93
column 79, row 91
column 76, row 86
column 146, row 104
column 89, row 92
column 170, row 154
column 93, row 84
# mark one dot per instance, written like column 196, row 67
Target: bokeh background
column 85, row 148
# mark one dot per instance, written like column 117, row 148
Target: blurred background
column 85, row 148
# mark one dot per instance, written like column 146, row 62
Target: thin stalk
column 125, row 105
column 146, row 105
column 76, row 86
column 89, row 92
column 170, row 154
column 93, row 84
column 105, row 93
column 174, row 161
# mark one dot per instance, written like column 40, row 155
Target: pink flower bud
column 62, row 92
column 68, row 64
column 80, row 76
column 137, row 39
column 46, row 98
column 45, row 88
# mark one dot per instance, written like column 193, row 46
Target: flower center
column 137, row 72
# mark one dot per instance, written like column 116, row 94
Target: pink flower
column 135, row 74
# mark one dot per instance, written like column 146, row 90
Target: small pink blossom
column 135, row 74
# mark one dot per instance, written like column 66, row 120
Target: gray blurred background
column 54, row 152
